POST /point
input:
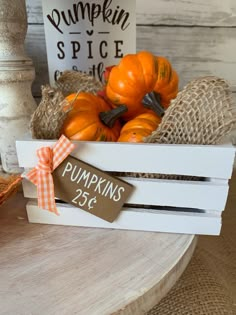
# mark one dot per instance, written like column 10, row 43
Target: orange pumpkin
column 84, row 120
column 137, row 129
column 141, row 80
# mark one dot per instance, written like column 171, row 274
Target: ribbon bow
column 49, row 159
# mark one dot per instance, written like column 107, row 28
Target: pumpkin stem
column 109, row 118
column 152, row 100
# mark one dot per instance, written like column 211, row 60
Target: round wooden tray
column 48, row 269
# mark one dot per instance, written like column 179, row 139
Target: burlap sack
column 202, row 113
column 75, row 81
column 48, row 118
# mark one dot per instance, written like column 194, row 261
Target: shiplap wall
column 198, row 37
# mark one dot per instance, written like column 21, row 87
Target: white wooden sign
column 88, row 35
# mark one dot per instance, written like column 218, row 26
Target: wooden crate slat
column 131, row 220
column 206, row 60
column 188, row 13
column 187, row 194
column 198, row 160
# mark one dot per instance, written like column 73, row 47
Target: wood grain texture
column 193, row 52
column 171, row 12
column 67, row 270
column 197, row 36
column 182, row 12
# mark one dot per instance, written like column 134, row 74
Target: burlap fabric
column 47, row 119
column 202, row 113
column 76, row 81
column 208, row 285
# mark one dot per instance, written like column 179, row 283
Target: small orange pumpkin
column 137, row 129
column 141, row 80
column 90, row 119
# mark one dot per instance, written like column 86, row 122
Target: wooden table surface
column 69, row 270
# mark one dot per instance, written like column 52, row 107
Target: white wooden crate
column 178, row 206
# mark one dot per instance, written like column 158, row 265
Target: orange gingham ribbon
column 41, row 175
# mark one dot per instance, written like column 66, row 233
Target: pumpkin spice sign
column 87, row 36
